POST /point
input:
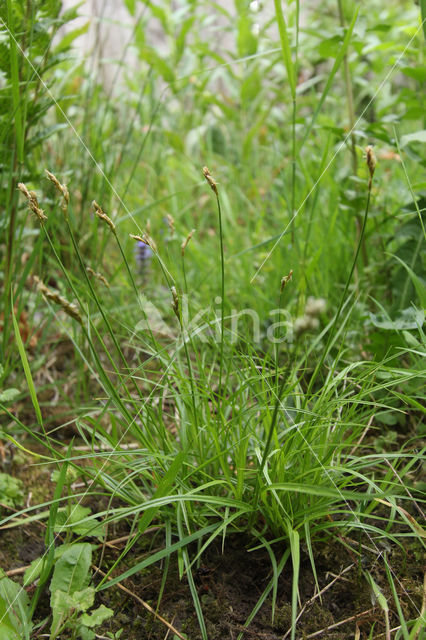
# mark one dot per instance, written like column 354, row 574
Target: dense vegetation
column 197, row 361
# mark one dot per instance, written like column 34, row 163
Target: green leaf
column 377, row 593
column 246, row 40
column 251, row 87
column 295, row 557
column 410, row 318
column 85, row 633
column 158, row 63
column 14, row 609
column 71, row 571
column 84, row 599
column 74, row 518
column 34, row 570
column 336, row 65
column 418, row 73
column 96, row 617
column 64, row 606
column 181, row 38
column 27, row 370
column 329, row 48
column 11, row 490
column 70, row 577
column 285, row 47
column 45, row 134
column 131, row 6
column 418, row 283
column 9, row 394
column 69, row 38
column 163, row 489
column 417, row 136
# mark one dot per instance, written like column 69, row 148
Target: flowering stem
column 371, row 167
column 213, row 187
column 222, row 317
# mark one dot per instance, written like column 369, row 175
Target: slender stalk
column 266, row 450
column 349, row 94
column 331, row 334
column 351, row 116
column 222, row 310
column 99, row 306
column 191, row 377
column 293, row 127
column 133, row 283
column 213, row 186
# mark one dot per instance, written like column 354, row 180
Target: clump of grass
column 271, row 443
column 282, row 463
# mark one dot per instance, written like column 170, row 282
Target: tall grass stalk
column 213, row 186
column 352, row 123
column 291, row 68
column 371, row 165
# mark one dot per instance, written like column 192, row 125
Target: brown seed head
column 98, row 275
column 209, row 178
column 286, row 279
column 185, row 242
column 33, row 204
column 371, row 160
column 175, row 303
column 103, row 216
column 62, row 188
column 146, row 239
column 171, row 223
column 70, row 309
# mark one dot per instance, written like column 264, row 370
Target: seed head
column 371, row 163
column 286, row 279
column 209, row 178
column 145, row 239
column 103, row 216
column 175, row 303
column 185, row 242
column 98, row 275
column 70, row 309
column 62, row 188
column 171, row 223
column 33, row 204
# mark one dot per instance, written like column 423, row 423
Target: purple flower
column 143, row 255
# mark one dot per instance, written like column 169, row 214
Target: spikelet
column 103, row 216
column 371, row 159
column 33, row 204
column 185, row 242
column 210, row 180
column 62, row 188
column 286, row 279
column 175, row 303
column 69, row 308
column 98, row 275
column 146, row 239
column 171, row 223
column 371, row 163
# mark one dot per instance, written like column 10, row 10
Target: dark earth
column 229, row 585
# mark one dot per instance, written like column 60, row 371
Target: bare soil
column 229, row 583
